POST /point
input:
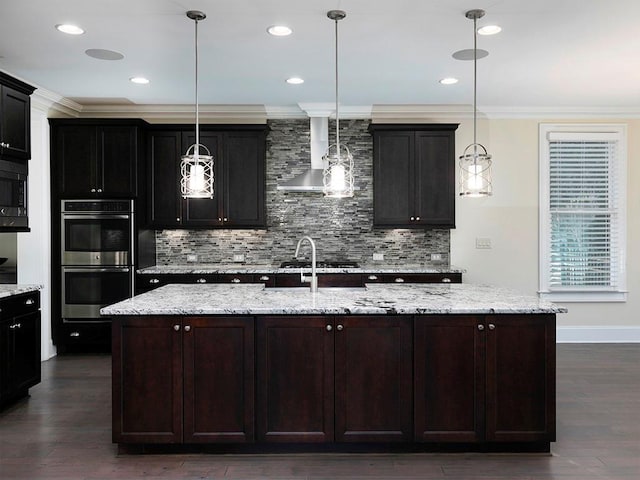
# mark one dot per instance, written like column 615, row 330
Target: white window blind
column 582, row 212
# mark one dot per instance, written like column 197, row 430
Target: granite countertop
column 11, row 289
column 375, row 299
column 238, row 268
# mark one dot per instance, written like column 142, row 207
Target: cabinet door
column 373, row 379
column 117, row 168
column 295, row 379
column 449, row 379
column 164, row 170
column 435, row 179
column 393, row 178
column 24, row 351
column 205, row 212
column 147, row 379
column 15, row 124
column 218, row 380
column 75, row 160
column 520, row 378
column 244, row 201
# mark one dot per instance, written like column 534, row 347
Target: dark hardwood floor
column 64, row 432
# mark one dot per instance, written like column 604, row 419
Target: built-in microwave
column 13, row 195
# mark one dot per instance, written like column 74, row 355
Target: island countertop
column 375, row 299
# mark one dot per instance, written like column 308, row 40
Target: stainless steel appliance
column 13, row 195
column 97, row 252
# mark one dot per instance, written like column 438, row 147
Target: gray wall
column 342, row 228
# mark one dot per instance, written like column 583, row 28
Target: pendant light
column 338, row 169
column 196, row 170
column 475, row 162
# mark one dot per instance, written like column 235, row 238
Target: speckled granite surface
column 273, row 269
column 376, row 299
column 11, row 289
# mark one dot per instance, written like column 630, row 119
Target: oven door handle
column 93, row 216
column 97, row 270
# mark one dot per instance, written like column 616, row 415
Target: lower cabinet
column 19, row 345
column 325, row 379
column 485, row 378
column 183, row 380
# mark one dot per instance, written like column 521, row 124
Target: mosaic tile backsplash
column 342, row 228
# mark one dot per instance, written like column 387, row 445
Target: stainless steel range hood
column 311, row 180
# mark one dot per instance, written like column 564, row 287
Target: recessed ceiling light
column 102, row 54
column 139, row 80
column 279, row 30
column 448, row 81
column 489, row 30
column 295, row 80
column 70, row 29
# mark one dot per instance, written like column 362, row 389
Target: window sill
column 584, row 297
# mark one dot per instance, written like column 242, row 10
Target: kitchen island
column 427, row 367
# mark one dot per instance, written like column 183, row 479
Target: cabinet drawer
column 324, row 280
column 234, row 278
column 413, row 278
column 20, row 304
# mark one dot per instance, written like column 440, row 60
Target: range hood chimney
column 312, row 179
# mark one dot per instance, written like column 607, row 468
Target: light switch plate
column 483, row 243
column 378, row 257
column 192, row 258
column 238, row 257
column 436, row 257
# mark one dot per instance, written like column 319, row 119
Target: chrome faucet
column 313, row 279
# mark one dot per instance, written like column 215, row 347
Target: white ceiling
column 550, row 53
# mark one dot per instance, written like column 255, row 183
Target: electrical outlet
column 436, row 257
column 192, row 257
column 483, row 243
column 378, row 257
column 239, row 257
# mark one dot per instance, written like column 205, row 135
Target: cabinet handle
column 492, row 326
column 29, row 301
column 177, row 219
column 329, row 328
column 12, row 327
column 481, row 327
column 99, row 190
column 264, row 278
column 235, row 280
column 413, row 219
column 1, row 144
column 340, row 328
column 154, row 281
column 187, row 328
column 201, row 280
column 399, row 280
column 446, row 280
column 417, row 219
column 176, row 327
column 225, row 219
column 219, row 219
column 18, row 325
column 74, row 334
column 372, row 277
column 93, row 190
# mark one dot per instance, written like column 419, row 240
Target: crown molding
column 179, row 113
column 54, row 104
column 549, row 112
column 421, row 113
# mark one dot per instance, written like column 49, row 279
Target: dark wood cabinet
column 239, row 191
column 412, row 278
column 19, row 345
column 414, row 175
column 325, row 379
column 485, row 378
column 188, row 380
column 95, row 158
column 15, row 119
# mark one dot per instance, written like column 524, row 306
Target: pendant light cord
column 197, row 147
column 475, row 76
column 337, row 108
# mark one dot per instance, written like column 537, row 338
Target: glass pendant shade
column 475, row 172
column 196, row 174
column 338, row 172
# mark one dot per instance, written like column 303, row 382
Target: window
column 583, row 212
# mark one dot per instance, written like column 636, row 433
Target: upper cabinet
column 414, row 175
column 95, row 158
column 238, row 166
column 15, row 119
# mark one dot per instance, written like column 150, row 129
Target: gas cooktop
column 319, row 264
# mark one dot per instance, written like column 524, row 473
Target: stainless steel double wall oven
column 97, row 256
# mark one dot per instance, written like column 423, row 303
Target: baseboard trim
column 598, row 335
